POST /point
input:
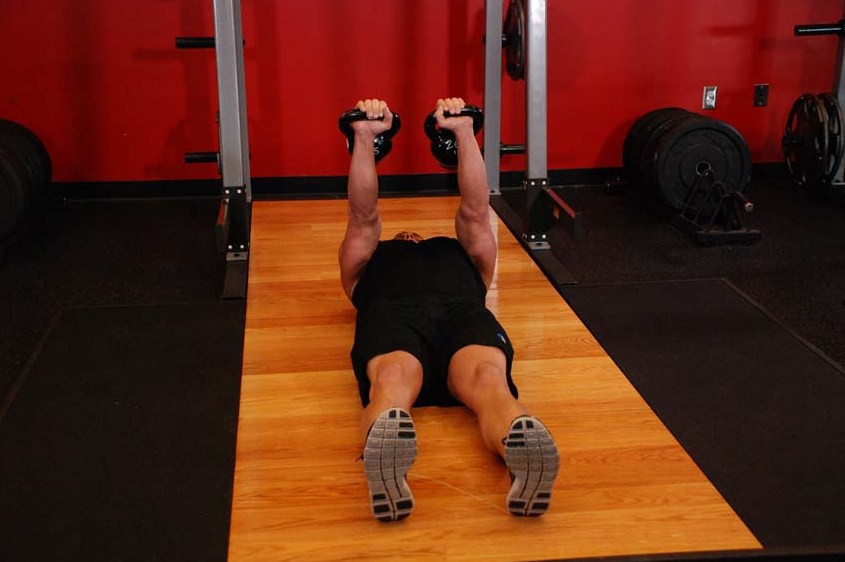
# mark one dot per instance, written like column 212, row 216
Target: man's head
column 404, row 235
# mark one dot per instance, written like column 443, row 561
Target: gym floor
column 796, row 271
column 79, row 256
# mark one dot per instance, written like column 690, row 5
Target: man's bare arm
column 363, row 227
column 472, row 221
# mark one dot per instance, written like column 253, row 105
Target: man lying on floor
column 424, row 335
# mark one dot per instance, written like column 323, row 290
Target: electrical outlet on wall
column 761, row 95
column 709, row 101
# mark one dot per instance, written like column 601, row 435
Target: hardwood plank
column 626, row 485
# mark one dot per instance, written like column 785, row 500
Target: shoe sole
column 388, row 454
column 533, row 460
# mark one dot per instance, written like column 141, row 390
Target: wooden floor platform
column 626, row 486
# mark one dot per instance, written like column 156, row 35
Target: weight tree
column 232, row 158
column 526, row 43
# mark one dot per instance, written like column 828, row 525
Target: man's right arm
column 363, row 227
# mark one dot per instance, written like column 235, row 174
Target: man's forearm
column 362, row 188
column 472, row 173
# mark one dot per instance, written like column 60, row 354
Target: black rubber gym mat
column 120, row 441
column 759, row 410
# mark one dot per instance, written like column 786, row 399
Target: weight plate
column 11, row 196
column 638, row 132
column 835, row 138
column 11, row 148
column 805, row 142
column 31, row 150
column 694, row 147
column 28, row 187
column 655, row 132
column 514, row 34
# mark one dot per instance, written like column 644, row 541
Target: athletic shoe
column 532, row 458
column 389, row 452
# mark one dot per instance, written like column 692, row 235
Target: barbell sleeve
column 201, row 157
column 195, row 43
column 747, row 205
column 512, row 149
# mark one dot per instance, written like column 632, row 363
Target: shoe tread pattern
column 389, row 452
column 533, row 460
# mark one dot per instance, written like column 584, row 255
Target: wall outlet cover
column 709, row 101
column 761, row 95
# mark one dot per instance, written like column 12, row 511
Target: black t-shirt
column 434, row 267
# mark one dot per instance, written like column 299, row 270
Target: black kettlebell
column 381, row 144
column 443, row 144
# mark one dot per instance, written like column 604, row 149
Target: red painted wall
column 101, row 82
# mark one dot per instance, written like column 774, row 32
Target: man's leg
column 390, row 441
column 395, row 382
column 478, row 378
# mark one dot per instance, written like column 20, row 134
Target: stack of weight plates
column 25, row 172
column 813, row 143
column 668, row 150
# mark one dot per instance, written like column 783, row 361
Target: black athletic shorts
column 432, row 330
